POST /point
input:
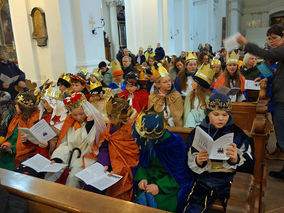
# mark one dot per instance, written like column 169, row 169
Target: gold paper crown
column 95, row 85
column 217, row 105
column 232, row 58
column 215, row 61
column 97, row 73
column 191, row 56
column 141, row 48
column 27, row 99
column 205, row 73
column 140, row 125
column 53, row 92
column 118, row 108
column 66, row 77
column 83, row 71
column 162, row 71
column 115, row 66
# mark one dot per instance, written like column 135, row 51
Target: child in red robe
column 138, row 99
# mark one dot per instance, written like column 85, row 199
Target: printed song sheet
column 217, row 148
column 6, row 79
column 42, row 164
column 95, row 176
column 249, row 84
column 41, row 131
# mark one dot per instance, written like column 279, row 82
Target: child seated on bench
column 214, row 177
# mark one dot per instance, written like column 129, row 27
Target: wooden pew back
column 45, row 197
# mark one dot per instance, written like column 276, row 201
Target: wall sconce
column 173, row 35
column 95, row 28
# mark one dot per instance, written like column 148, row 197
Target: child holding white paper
column 52, row 110
column 16, row 142
column 81, row 130
column 118, row 151
column 214, row 177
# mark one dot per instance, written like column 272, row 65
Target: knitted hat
column 75, row 100
column 80, row 78
column 132, row 78
column 116, row 68
column 219, row 102
column 204, row 76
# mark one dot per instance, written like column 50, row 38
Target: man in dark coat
column 10, row 74
column 159, row 52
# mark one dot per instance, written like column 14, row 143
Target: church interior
column 142, row 106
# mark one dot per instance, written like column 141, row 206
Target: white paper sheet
column 216, row 149
column 41, row 131
column 42, row 164
column 7, row 79
column 249, row 84
column 95, row 176
column 230, row 43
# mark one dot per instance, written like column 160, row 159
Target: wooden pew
column 45, row 197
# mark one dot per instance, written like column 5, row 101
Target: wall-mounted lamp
column 95, row 28
column 173, row 35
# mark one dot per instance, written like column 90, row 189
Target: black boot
column 279, row 174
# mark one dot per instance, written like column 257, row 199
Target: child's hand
column 24, row 138
column 153, row 189
column 90, row 118
column 52, row 162
column 22, row 84
column 42, row 144
column 106, row 168
column 110, row 174
column 242, row 40
column 142, row 184
column 5, row 85
column 202, row 157
column 232, row 153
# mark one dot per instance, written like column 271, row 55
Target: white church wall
column 39, row 63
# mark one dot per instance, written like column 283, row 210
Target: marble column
column 113, row 26
column 235, row 16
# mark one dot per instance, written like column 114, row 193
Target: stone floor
column 274, row 193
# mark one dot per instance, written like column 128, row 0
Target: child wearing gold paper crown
column 16, row 143
column 214, row 177
column 195, row 102
column 64, row 84
column 52, row 110
column 118, row 151
column 166, row 99
column 184, row 77
column 99, row 97
column 217, row 68
column 232, row 77
column 81, row 130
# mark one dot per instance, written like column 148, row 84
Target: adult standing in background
column 159, row 52
column 10, row 74
column 149, row 53
column 275, row 55
column 140, row 58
